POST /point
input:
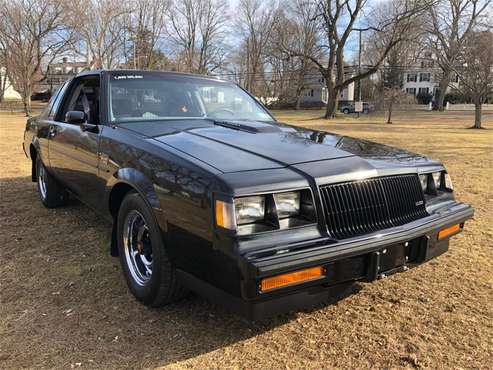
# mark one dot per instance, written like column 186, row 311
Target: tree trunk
column 389, row 117
column 26, row 102
column 2, row 89
column 477, row 115
column 443, row 85
column 331, row 107
column 298, row 102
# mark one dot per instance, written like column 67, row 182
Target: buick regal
column 207, row 192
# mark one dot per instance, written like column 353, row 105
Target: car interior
column 153, row 103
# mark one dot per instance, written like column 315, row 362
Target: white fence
column 411, row 107
column 468, row 107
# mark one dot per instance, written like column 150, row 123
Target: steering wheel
column 217, row 112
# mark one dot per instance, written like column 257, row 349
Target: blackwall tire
column 149, row 274
column 51, row 193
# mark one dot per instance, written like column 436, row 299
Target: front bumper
column 365, row 259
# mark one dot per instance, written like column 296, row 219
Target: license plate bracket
column 395, row 258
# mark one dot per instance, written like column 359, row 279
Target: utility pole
column 359, row 65
column 135, row 54
column 360, row 30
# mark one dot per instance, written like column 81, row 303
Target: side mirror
column 75, row 117
column 79, row 118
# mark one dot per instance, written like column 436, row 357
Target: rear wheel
column 345, row 111
column 149, row 274
column 51, row 193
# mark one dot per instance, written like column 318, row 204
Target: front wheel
column 149, row 274
column 51, row 193
column 345, row 111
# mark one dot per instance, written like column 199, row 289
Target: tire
column 51, row 193
column 345, row 111
column 145, row 264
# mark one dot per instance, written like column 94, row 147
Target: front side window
column 84, row 97
column 145, row 97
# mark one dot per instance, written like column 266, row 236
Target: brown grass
column 64, row 302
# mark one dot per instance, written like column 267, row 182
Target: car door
column 44, row 122
column 73, row 151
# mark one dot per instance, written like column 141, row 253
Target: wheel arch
column 125, row 181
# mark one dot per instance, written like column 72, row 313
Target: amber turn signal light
column 295, row 277
column 449, row 230
column 225, row 215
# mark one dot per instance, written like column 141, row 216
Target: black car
column 42, row 95
column 208, row 192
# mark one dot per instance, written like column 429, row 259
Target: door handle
column 52, row 130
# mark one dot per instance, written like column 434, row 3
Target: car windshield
column 144, row 97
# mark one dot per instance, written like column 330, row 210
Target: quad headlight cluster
column 433, row 182
column 266, row 212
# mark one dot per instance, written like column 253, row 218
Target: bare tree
column 337, row 20
column 146, row 25
column 449, row 24
column 476, row 71
column 305, row 35
column 255, row 21
column 3, row 73
column 212, row 28
column 393, row 79
column 197, row 30
column 401, row 55
column 100, row 28
column 281, row 72
column 32, row 35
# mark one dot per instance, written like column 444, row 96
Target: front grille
column 361, row 207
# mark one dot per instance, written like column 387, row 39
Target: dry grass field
column 64, row 303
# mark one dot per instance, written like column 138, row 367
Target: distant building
column 315, row 91
column 9, row 93
column 423, row 77
column 58, row 73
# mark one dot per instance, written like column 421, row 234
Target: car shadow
column 66, row 296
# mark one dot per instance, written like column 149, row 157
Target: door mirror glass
column 75, row 117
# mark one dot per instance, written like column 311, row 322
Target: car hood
column 234, row 146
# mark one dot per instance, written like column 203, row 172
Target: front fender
column 140, row 183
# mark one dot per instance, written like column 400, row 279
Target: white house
column 423, row 77
column 315, row 92
column 9, row 93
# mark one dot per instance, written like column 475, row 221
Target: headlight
column 437, row 180
column 424, row 182
column 288, row 204
column 267, row 212
column 249, row 209
column 448, row 182
column 433, row 182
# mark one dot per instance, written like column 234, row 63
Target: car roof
column 134, row 71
